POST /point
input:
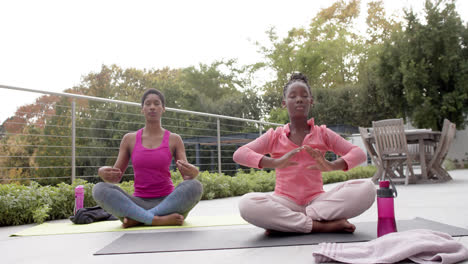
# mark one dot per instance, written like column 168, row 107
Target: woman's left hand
column 321, row 163
column 187, row 170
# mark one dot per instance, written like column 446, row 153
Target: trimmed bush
column 449, row 165
column 355, row 173
column 20, row 204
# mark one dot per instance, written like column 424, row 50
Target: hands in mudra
column 187, row 170
column 285, row 160
column 110, row 174
column 321, row 163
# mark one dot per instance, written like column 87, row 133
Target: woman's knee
column 365, row 193
column 353, row 199
column 250, row 205
column 193, row 188
column 100, row 189
column 368, row 193
column 362, row 187
column 197, row 187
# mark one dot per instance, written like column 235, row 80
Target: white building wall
column 459, row 149
column 356, row 139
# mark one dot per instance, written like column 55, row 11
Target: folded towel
column 419, row 245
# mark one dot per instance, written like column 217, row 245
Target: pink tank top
column 151, row 168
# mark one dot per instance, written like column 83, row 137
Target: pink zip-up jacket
column 298, row 182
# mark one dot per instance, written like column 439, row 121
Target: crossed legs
column 326, row 213
column 168, row 210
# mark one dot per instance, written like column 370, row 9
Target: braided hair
column 296, row 77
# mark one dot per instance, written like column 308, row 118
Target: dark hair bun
column 297, row 76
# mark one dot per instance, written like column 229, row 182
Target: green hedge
column 21, row 204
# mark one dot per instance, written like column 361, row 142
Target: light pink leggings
column 270, row 211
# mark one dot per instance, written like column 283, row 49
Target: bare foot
column 172, row 219
column 341, row 225
column 128, row 222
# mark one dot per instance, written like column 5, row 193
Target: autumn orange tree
column 23, row 132
column 41, row 132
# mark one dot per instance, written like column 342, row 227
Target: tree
column 23, row 134
column 379, row 26
column 327, row 51
column 424, row 70
column 220, row 88
column 339, row 63
column 380, row 29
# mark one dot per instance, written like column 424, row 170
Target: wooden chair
column 372, row 153
column 413, row 150
column 435, row 165
column 392, row 149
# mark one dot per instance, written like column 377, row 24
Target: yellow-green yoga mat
column 113, row 226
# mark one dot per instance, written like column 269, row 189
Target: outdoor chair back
column 446, row 139
column 392, row 148
column 371, row 151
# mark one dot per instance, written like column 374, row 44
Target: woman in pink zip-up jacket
column 296, row 151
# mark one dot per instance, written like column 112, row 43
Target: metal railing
column 72, row 136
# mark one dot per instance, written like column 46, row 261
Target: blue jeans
column 120, row 204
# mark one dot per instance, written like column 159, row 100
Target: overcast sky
column 50, row 45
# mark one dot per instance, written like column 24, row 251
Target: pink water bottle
column 79, row 197
column 385, row 209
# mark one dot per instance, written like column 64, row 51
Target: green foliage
column 339, row 63
column 214, row 185
column 222, row 87
column 449, row 165
column 279, row 115
column 128, row 187
column 219, row 186
column 41, row 214
column 355, row 173
column 326, row 52
column 417, row 69
column 341, row 106
column 423, row 71
column 56, row 143
column 337, row 106
column 62, row 200
column 22, row 204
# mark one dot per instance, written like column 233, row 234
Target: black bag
column 91, row 214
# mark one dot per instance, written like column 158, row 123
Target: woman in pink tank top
column 151, row 150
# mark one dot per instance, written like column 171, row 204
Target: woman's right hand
column 110, row 174
column 283, row 162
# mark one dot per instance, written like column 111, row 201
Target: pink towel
column 419, row 245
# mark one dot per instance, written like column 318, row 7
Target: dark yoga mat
column 215, row 239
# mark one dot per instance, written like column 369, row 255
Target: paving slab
column 443, row 202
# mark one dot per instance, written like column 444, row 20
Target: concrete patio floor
column 442, row 202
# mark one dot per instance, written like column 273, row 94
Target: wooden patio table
column 425, row 138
